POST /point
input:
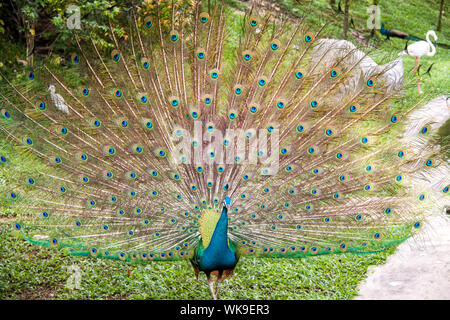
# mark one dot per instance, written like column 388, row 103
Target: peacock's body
column 190, row 141
column 397, row 34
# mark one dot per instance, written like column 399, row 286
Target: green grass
column 32, row 272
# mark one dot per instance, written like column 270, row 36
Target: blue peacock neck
column 220, row 235
column 218, row 255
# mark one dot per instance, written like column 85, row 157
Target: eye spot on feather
column 253, row 108
column 142, row 98
column 314, row 104
column 334, row 73
column 200, row 54
column 75, row 58
column 394, row 118
column 247, row 56
column 108, row 174
column 131, row 175
column 174, row 36
column 27, row 141
column 425, row 129
column 63, row 130
column 204, row 17
column 254, row 21
column 85, row 92
column 149, row 124
column 161, row 153
column 309, row 37
column 145, row 63
column 300, row 128
column 370, row 82
column 262, row 82
column 13, row 195
column 195, row 114
column 6, row 114
column 41, row 105
column 299, row 75
column 214, row 74
column 148, row 22
column 275, row 45
column 238, row 90
column 117, row 93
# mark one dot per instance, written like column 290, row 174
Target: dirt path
column 420, row 267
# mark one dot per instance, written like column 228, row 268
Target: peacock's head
column 227, row 202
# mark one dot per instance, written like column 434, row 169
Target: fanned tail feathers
column 318, row 169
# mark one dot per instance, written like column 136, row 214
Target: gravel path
column 420, row 267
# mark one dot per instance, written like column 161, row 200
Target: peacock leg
column 211, row 286
column 219, row 279
column 217, row 288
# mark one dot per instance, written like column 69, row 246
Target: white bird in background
column 329, row 51
column 58, row 100
column 420, row 48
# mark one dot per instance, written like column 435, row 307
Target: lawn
column 33, row 272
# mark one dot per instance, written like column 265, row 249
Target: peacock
column 206, row 138
column 397, row 34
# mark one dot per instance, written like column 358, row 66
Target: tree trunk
column 29, row 36
column 346, row 6
column 441, row 10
